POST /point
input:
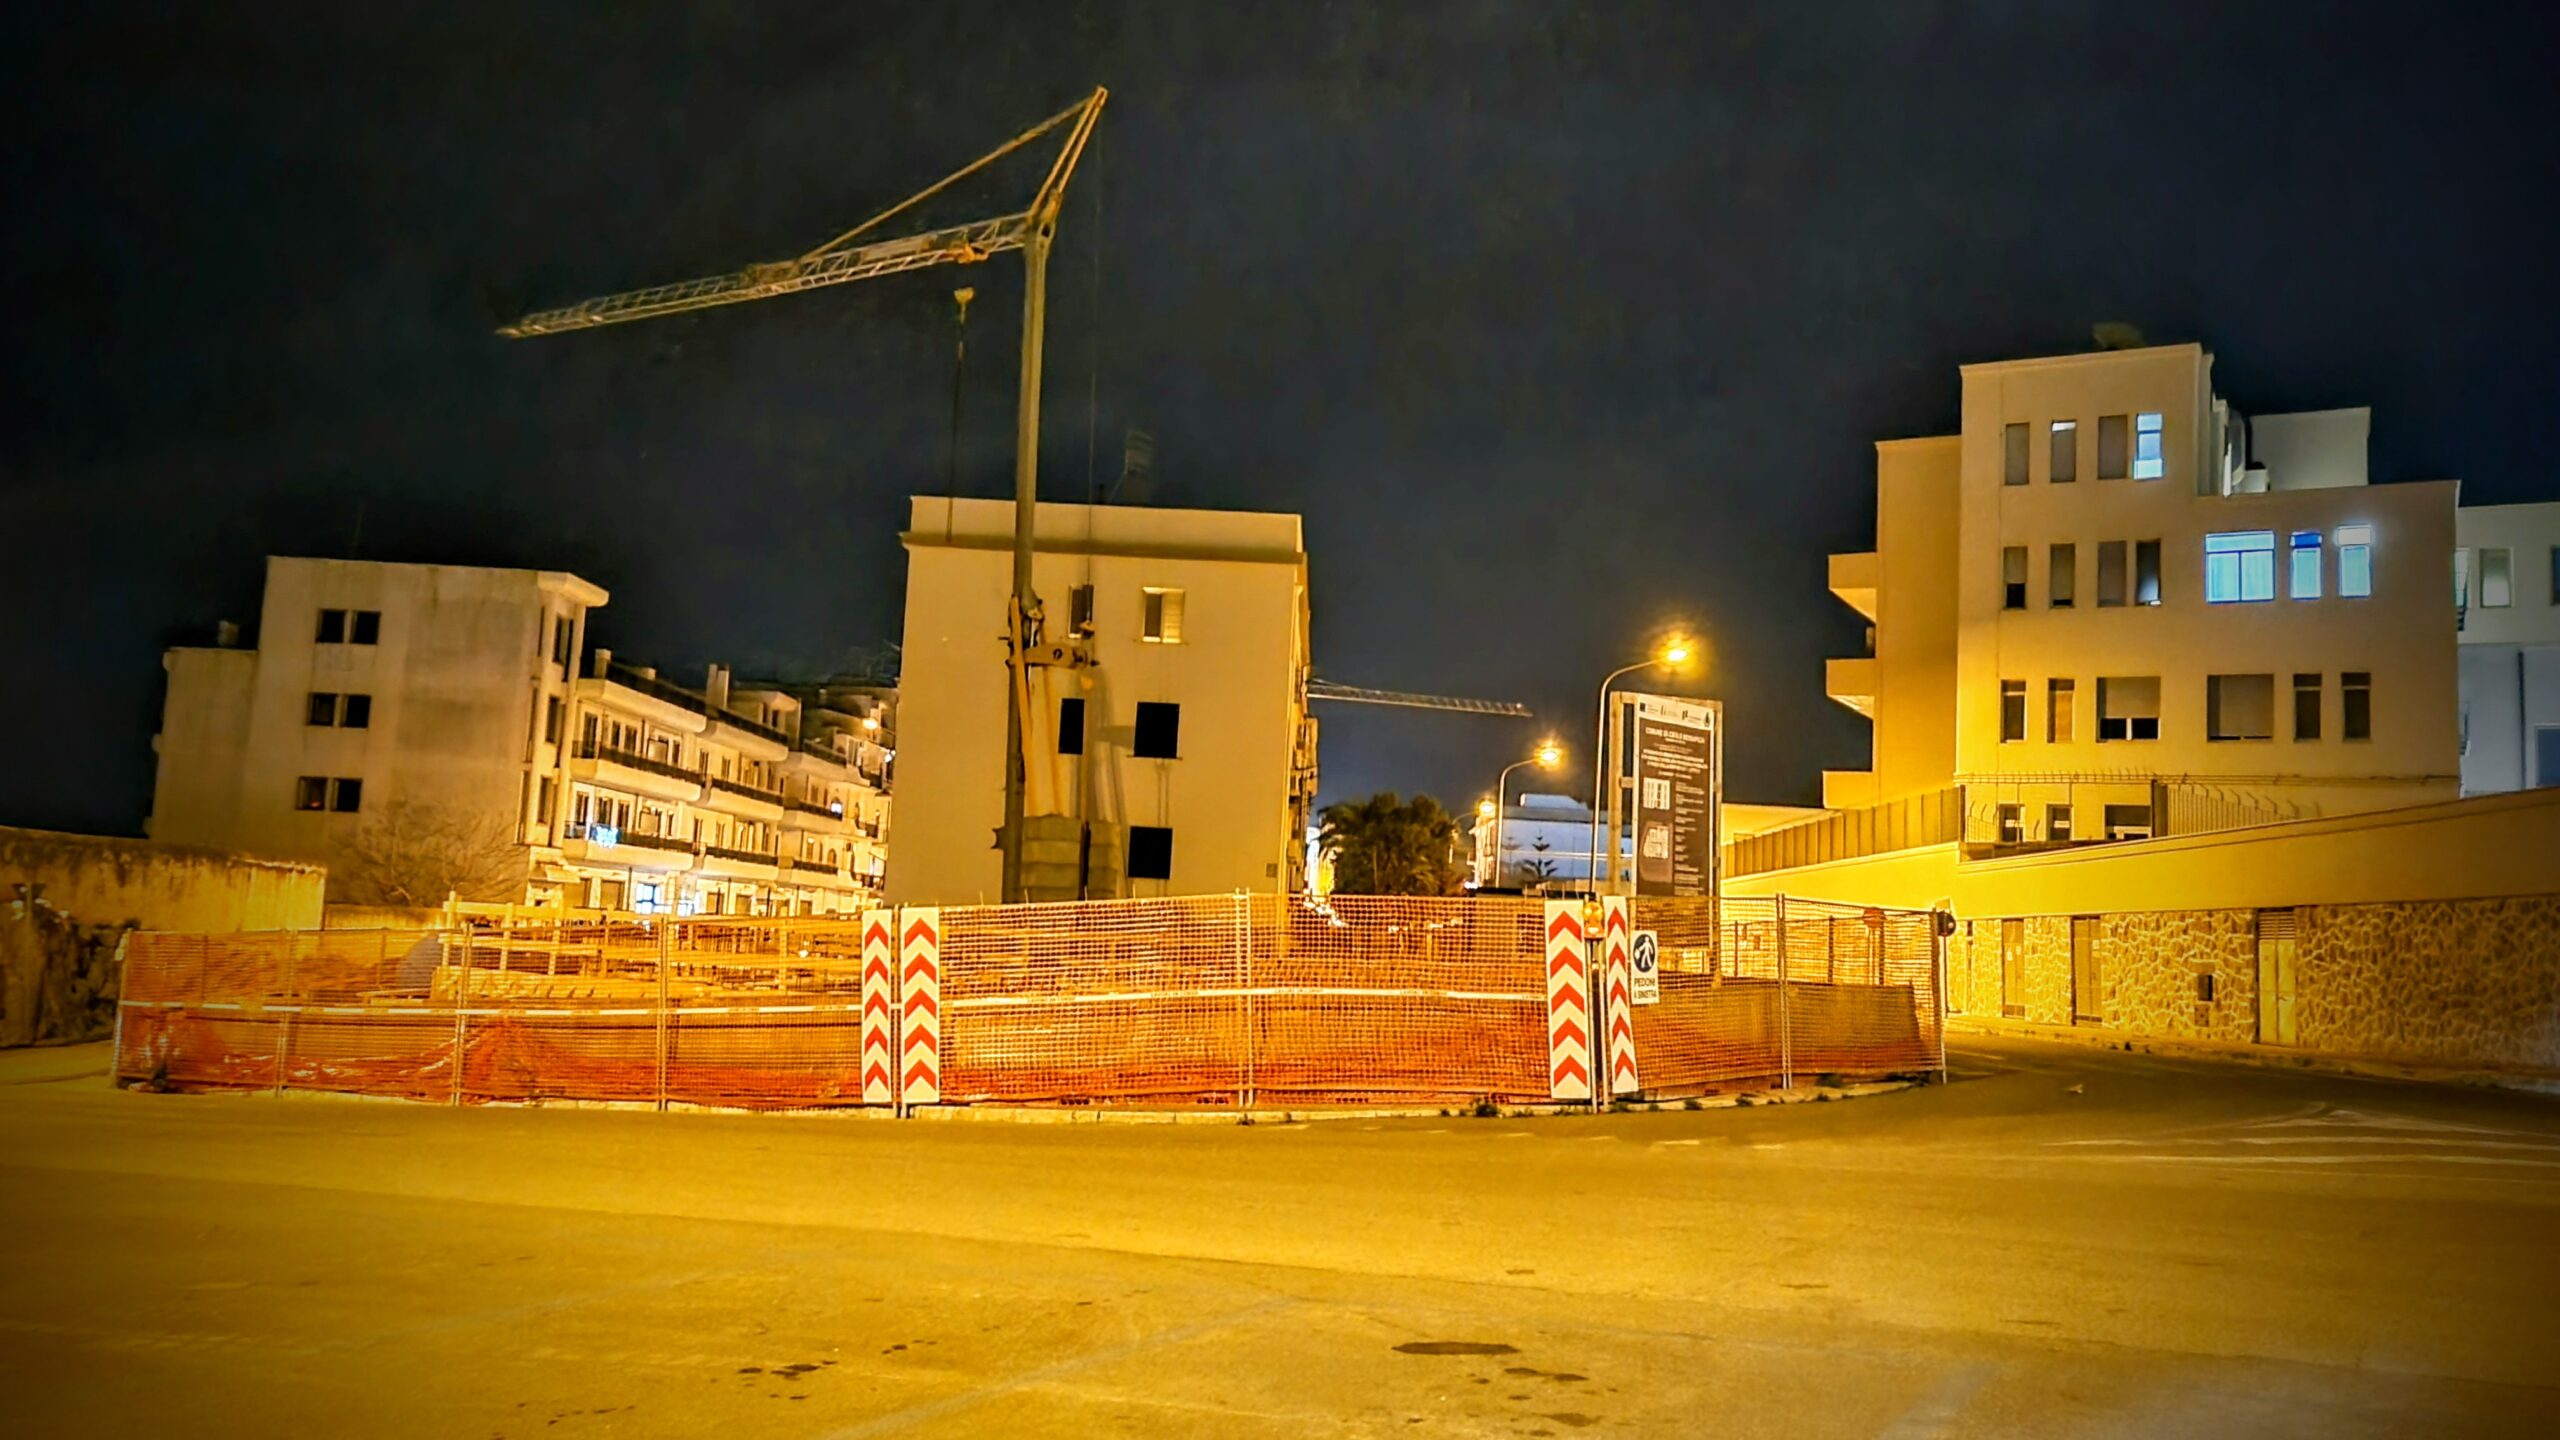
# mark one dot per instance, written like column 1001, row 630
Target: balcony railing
column 607, row 835
column 593, row 750
column 751, row 857
column 813, row 748
column 747, row 788
column 812, row 862
column 683, row 699
column 813, row 807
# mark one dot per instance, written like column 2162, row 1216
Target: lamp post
column 1547, row 756
column 1673, row 654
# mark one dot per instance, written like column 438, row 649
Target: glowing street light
column 1547, row 756
column 1673, row 655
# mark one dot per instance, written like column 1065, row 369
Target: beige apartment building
column 1184, row 746
column 429, row 730
column 2112, row 606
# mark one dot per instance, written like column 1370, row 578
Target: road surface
column 2063, row 1242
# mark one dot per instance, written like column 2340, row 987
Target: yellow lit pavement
column 2170, row 1248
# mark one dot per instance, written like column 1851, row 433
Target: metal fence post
column 461, row 1017
column 1786, row 1023
column 665, row 949
column 1938, row 966
column 1241, row 913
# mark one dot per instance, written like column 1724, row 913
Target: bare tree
column 410, row 854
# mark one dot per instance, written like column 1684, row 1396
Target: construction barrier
column 1237, row 1001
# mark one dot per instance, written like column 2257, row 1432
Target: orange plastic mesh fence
column 1238, row 1000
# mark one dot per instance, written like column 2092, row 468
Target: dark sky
column 1554, row 321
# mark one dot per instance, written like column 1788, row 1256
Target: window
column 311, row 792
column 2128, row 822
column 2146, row 572
column 2111, row 447
column 2146, row 446
column 1080, row 610
column 2306, row 565
column 2061, row 576
column 2057, row 822
column 2013, row 577
column 2239, row 707
column 2110, row 573
column 2013, row 454
column 333, row 627
column 2555, row 574
column 553, row 713
column 2013, row 967
column 2059, row 698
column 2129, row 707
column 542, row 806
column 1071, row 727
column 2240, row 565
column 2546, row 756
column 2355, row 705
column 580, row 805
column 2355, row 561
column 1163, row 616
column 2012, row 824
column 1150, row 852
column 355, row 712
column 2306, row 707
column 2013, row 710
column 2066, row 452
column 2461, row 585
column 323, row 709
column 1159, row 731
column 2497, row 579
column 364, row 627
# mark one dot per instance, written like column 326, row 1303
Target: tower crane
column 849, row 257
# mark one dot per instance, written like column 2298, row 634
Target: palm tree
column 1386, row 846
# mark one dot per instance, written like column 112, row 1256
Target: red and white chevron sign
column 920, row 1006
column 1568, row 1003
column 879, row 1007
column 1617, row 1000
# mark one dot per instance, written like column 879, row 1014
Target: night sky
column 1555, row 322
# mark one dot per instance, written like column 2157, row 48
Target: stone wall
column 105, row 880
column 2457, row 982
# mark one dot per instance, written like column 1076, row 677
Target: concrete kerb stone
column 2327, row 1062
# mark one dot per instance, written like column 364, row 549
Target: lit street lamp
column 1673, row 655
column 1547, row 756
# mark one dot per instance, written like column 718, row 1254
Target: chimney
column 226, row 634
column 604, row 663
column 715, row 687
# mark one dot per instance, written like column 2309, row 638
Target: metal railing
column 747, row 788
column 751, row 857
column 597, row 750
column 1935, row 818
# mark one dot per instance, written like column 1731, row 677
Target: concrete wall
column 2490, row 845
column 1916, row 510
column 1227, row 798
column 104, row 880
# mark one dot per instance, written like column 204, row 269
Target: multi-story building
column 427, row 731
column 2112, row 606
column 1182, row 755
column 2506, row 577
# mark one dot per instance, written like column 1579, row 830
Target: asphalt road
column 2064, row 1242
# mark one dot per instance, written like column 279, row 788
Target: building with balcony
column 1171, row 754
column 439, row 737
column 2113, row 606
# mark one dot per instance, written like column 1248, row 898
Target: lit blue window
column 2355, row 560
column 2240, row 565
column 2146, row 446
column 2306, row 564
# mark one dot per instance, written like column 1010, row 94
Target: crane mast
column 841, row 261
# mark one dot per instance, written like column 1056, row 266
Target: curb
column 2327, row 1062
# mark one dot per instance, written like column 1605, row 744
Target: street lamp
column 1674, row 655
column 1547, row 756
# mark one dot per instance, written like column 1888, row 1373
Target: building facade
column 1181, row 750
column 2506, row 576
column 2112, row 607
column 429, row 732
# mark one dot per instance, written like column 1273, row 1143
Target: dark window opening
column 323, row 709
column 2306, row 707
column 355, row 711
column 1071, row 727
column 333, row 627
column 311, row 792
column 2355, row 694
column 346, row 796
column 1150, row 852
column 1159, row 731
column 2146, row 572
column 364, row 627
